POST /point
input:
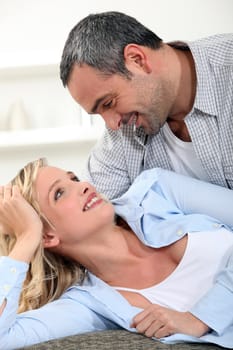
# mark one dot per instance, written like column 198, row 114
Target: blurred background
column 38, row 118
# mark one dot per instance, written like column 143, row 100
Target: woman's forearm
column 12, row 276
column 25, row 247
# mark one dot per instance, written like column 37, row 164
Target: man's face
column 142, row 99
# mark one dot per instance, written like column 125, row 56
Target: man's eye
column 58, row 193
column 75, row 178
column 107, row 104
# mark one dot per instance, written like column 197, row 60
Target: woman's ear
column 50, row 239
column 136, row 58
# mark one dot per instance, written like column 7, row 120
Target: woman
column 67, row 260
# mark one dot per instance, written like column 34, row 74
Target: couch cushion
column 114, row 340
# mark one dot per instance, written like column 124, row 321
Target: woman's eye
column 58, row 193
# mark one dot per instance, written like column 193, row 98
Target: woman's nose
column 83, row 187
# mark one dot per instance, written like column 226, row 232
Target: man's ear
column 136, row 58
column 50, row 239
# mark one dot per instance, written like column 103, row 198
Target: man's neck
column 179, row 128
column 186, row 92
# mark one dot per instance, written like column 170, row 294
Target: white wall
column 44, row 24
column 35, row 30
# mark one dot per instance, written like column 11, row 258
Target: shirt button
column 216, row 225
column 179, row 233
column 13, row 270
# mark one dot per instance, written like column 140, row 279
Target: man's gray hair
column 98, row 40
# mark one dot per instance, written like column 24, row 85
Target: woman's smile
column 92, row 201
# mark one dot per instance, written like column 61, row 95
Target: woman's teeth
column 89, row 204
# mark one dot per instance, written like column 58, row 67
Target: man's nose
column 112, row 120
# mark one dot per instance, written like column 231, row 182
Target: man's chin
column 150, row 130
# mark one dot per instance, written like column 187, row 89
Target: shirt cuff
column 12, row 274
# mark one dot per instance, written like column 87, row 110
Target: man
column 165, row 105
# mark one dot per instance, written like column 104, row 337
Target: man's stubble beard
column 157, row 114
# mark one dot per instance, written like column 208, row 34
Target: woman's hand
column 157, row 321
column 18, row 218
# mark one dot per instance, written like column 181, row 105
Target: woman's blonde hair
column 49, row 274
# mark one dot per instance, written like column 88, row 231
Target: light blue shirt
column 161, row 207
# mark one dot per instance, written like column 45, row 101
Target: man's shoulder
column 217, row 48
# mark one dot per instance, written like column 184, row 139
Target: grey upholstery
column 115, row 340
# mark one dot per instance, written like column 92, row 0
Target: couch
column 114, row 340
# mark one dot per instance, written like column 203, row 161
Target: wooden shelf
column 30, row 63
column 29, row 71
column 30, row 68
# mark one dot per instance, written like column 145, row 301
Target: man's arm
column 106, row 166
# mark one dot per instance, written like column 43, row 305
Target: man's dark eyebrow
column 94, row 109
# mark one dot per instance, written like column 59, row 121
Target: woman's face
column 74, row 209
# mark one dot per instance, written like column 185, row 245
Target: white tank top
column 206, row 253
column 182, row 155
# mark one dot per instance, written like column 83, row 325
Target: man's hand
column 157, row 321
